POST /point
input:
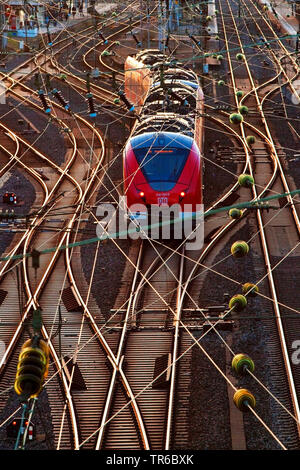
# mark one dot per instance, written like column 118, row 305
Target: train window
column 162, row 165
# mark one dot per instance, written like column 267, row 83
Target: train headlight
column 142, row 194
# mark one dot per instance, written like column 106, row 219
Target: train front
column 162, row 176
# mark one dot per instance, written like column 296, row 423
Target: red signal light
column 14, row 423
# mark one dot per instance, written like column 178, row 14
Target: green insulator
column 220, row 57
column 266, row 8
column 208, row 18
column 114, row 13
column 217, row 38
column 236, row 118
column 216, row 12
column 117, row 43
column 214, row 56
column 250, row 139
column 245, row 180
column 207, row 54
column 243, row 398
column 239, row 249
column 221, row 83
column 250, row 289
column 105, row 53
column 239, row 94
column 235, row 213
column 117, row 100
column 240, row 56
column 243, row 110
column 63, row 76
column 238, row 303
column 241, row 363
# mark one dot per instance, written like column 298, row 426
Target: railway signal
column 9, row 198
column 13, row 429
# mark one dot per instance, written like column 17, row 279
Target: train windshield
column 162, row 167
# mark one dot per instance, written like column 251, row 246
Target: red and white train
column 163, row 157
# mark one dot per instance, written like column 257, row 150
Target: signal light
column 9, row 198
column 13, row 428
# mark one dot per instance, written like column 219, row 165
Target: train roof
column 161, row 140
column 166, row 122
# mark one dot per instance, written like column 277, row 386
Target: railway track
column 41, row 290
column 270, row 157
column 113, row 405
column 36, row 288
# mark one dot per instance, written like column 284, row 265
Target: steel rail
column 286, row 358
column 136, row 410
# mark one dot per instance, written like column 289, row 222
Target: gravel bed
column 210, row 429
column 111, row 261
column 208, row 410
column 42, row 421
column 14, row 60
column 19, row 184
column 49, row 141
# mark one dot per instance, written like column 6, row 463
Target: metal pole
column 141, row 23
column 25, row 21
column 148, row 23
column 159, row 26
column 2, row 26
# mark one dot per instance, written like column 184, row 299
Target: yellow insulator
column 243, row 399
column 32, row 368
